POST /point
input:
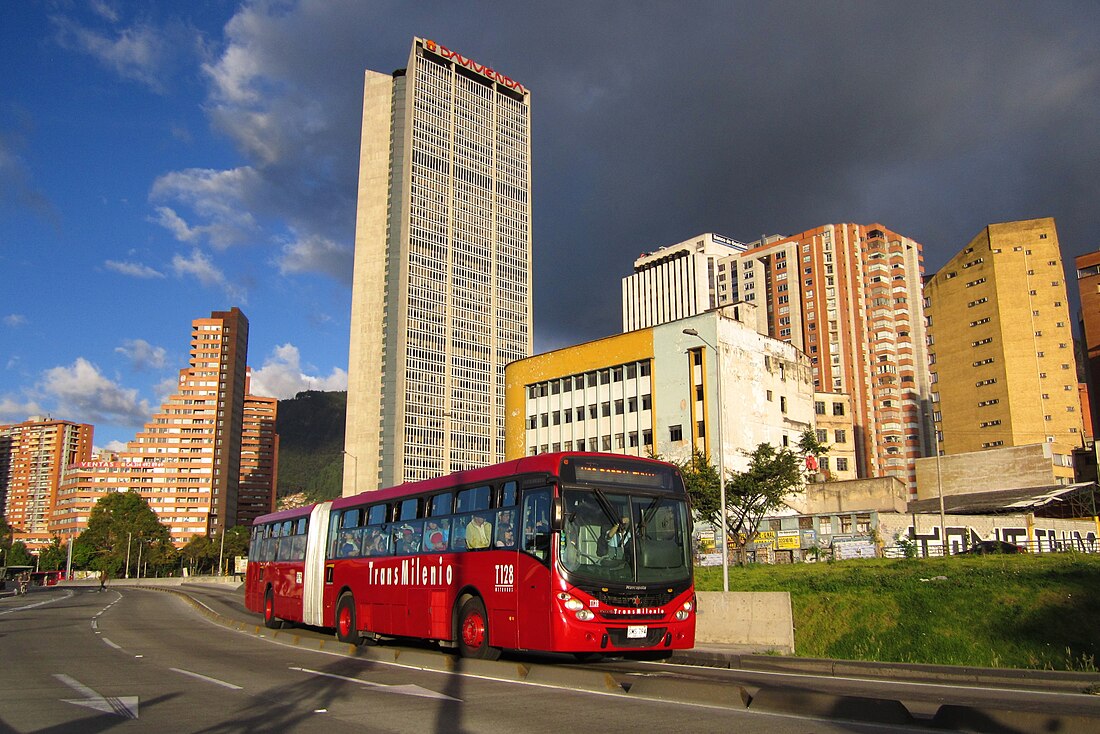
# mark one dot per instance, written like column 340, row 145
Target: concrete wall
column 761, row 620
column 885, row 494
column 1013, row 467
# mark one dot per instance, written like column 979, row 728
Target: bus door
column 532, row 572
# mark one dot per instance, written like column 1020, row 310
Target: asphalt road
column 73, row 659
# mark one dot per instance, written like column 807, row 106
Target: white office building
column 681, row 280
column 441, row 299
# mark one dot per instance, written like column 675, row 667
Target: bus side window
column 507, row 495
column 408, row 509
column 440, row 505
column 376, row 515
column 473, row 499
column 536, row 524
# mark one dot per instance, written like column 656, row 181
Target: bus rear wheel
column 345, row 620
column 473, row 631
column 270, row 620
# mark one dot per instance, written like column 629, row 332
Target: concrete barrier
column 762, row 620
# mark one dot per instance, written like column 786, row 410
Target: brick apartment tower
column 441, row 299
column 1002, row 345
column 34, row 455
column 187, row 460
column 849, row 296
column 1088, row 286
column 259, row 457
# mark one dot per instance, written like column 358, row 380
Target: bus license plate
column 637, row 631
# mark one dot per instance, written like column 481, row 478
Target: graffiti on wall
column 960, row 538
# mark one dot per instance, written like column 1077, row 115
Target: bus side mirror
column 556, row 513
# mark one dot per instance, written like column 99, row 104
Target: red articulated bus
column 568, row 552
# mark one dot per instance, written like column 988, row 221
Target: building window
column 841, row 464
column 819, row 407
column 838, row 408
column 676, row 433
column 840, row 436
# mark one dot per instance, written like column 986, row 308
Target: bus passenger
column 435, row 536
column 478, row 533
column 348, row 546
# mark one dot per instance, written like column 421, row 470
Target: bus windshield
column 612, row 537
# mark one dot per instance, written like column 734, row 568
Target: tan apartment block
column 1002, row 356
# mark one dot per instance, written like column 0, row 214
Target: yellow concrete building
column 1001, row 350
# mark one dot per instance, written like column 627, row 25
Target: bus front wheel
column 345, row 620
column 473, row 631
column 270, row 620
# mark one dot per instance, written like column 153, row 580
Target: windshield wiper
column 605, row 505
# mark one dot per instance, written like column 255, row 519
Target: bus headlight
column 683, row 612
column 570, row 603
column 585, row 614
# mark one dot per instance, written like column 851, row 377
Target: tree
column 18, row 555
column 761, row 489
column 200, row 553
column 119, row 525
column 53, row 557
column 772, row 475
column 810, row 446
column 5, row 540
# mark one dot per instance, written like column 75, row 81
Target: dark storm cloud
column 655, row 122
column 935, row 120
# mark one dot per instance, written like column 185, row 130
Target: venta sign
column 472, row 65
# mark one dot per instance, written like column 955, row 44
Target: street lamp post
column 721, row 461
column 354, row 472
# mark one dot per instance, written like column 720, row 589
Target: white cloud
column 286, row 107
column 14, row 411
column 220, row 198
column 15, row 320
column 139, row 52
column 134, row 270
column 83, row 394
column 114, row 447
column 142, row 354
column 317, row 254
column 200, row 267
column 105, row 10
column 282, row 376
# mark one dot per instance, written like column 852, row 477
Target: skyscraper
column 441, row 299
column 1088, row 289
column 187, row 460
column 849, row 295
column 34, row 455
column 1002, row 345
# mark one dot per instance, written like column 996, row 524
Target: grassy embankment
column 1008, row 611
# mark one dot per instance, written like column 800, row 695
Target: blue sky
column 162, row 160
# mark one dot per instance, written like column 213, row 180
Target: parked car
column 987, row 547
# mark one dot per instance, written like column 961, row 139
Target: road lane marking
column 124, row 706
column 111, row 644
column 405, row 690
column 206, row 678
column 51, row 600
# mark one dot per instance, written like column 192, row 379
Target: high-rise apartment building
column 187, row 462
column 849, row 296
column 1002, row 346
column 34, row 455
column 441, row 299
column 679, row 281
column 259, row 457
column 1088, row 287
